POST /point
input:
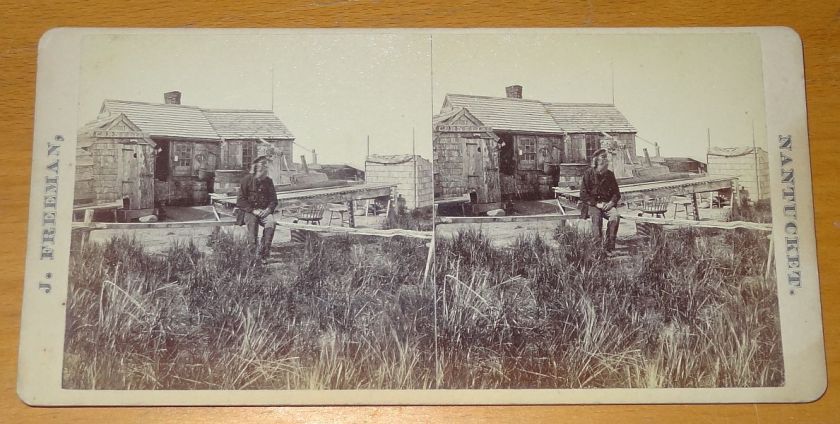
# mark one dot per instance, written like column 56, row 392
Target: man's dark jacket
column 597, row 188
column 255, row 193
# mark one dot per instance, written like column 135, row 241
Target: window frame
column 528, row 145
column 184, row 151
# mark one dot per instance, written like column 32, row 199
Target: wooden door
column 136, row 174
column 474, row 169
column 491, row 172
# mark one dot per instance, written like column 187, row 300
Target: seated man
column 256, row 202
column 599, row 197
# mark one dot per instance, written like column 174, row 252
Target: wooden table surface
column 818, row 22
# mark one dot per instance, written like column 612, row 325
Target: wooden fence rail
column 723, row 225
column 92, row 226
column 513, row 218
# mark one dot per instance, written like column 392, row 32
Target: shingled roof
column 182, row 121
column 247, row 124
column 525, row 115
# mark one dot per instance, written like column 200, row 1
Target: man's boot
column 268, row 235
column 612, row 233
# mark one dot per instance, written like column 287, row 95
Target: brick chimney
column 514, row 91
column 172, row 97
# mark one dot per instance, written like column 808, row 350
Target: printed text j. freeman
column 50, row 201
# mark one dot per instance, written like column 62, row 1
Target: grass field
column 336, row 313
column 686, row 309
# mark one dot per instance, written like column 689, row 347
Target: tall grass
column 334, row 314
column 753, row 212
column 687, row 310
column 419, row 219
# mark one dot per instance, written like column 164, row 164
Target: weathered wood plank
column 331, row 194
column 682, row 187
column 724, row 225
column 109, row 205
column 426, row 235
column 152, row 225
column 490, row 219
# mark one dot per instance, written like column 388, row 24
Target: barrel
column 544, row 188
column 199, row 193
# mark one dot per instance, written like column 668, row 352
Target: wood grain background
column 23, row 22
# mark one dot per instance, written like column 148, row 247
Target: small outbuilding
column 412, row 174
column 466, row 158
column 749, row 164
column 115, row 162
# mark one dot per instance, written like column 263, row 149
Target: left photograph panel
column 252, row 213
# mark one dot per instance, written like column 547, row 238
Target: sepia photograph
column 259, row 222
column 395, row 217
column 603, row 212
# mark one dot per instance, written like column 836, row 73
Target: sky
column 331, row 90
column 672, row 88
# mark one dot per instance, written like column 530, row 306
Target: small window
column 527, row 153
column 593, row 143
column 248, row 153
column 183, row 154
column 576, row 151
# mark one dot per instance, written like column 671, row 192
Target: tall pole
column 612, row 82
column 414, row 155
column 272, row 88
column 708, row 146
column 755, row 159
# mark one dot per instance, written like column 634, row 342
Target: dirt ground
column 158, row 240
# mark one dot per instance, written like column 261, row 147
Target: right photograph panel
column 602, row 212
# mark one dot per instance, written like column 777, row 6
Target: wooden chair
column 684, row 203
column 310, row 214
column 655, row 207
column 337, row 208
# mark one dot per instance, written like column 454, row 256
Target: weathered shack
column 749, row 164
column 194, row 150
column 466, row 159
column 114, row 162
column 541, row 142
column 412, row 174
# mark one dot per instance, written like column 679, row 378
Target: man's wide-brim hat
column 259, row 159
column 599, row 152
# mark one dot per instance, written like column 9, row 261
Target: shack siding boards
column 109, row 170
column 404, row 176
column 137, row 182
column 466, row 158
column 744, row 167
